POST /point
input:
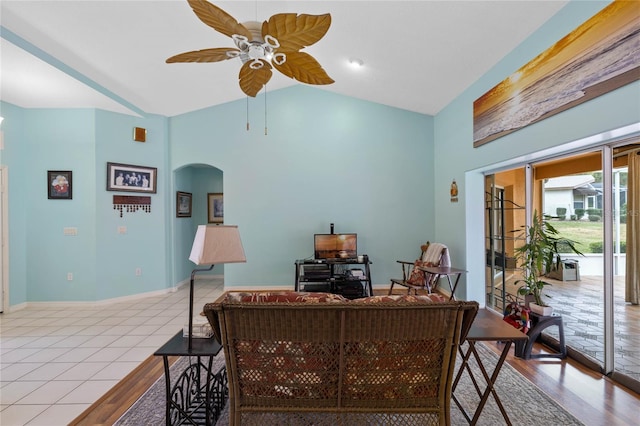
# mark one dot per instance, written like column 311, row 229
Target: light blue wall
column 102, row 261
column 456, row 223
column 59, row 140
column 145, row 244
column 184, row 226
column 326, row 158
column 378, row 171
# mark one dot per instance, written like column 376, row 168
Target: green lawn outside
column 584, row 232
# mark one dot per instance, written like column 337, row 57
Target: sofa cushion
column 284, row 297
column 417, row 276
column 404, row 298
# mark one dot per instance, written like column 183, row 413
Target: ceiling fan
column 275, row 43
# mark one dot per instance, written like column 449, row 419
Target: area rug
column 525, row 402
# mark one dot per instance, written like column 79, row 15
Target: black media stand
column 340, row 276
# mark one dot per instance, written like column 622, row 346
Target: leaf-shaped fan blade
column 304, row 68
column 294, row 32
column 252, row 80
column 218, row 19
column 205, row 55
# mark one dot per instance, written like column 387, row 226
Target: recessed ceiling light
column 356, row 63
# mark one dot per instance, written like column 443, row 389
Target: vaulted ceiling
column 417, row 55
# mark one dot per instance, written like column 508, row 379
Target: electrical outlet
column 70, row 232
column 69, row 276
column 138, row 272
column 122, row 229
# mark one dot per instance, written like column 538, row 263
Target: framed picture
column 183, row 204
column 59, row 184
column 215, row 207
column 125, row 177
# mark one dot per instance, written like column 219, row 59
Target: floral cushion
column 417, row 276
column 283, row 296
column 404, row 298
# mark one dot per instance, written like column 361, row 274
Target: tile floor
column 55, row 362
column 581, row 304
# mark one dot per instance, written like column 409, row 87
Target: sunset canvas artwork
column 599, row 56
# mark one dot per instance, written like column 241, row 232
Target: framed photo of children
column 126, row 177
column 59, row 184
column 183, row 204
column 215, row 207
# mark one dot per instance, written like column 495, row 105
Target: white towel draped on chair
column 437, row 254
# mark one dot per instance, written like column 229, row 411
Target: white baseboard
column 128, row 298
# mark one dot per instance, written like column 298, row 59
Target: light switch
column 122, row 229
column 70, row 231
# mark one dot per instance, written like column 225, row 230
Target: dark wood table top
column 179, row 346
column 489, row 326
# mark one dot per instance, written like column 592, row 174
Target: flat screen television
column 335, row 246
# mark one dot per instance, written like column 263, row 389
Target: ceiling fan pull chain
column 265, row 110
column 247, row 113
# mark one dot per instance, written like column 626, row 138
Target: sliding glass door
column 505, row 195
column 625, row 224
column 590, row 198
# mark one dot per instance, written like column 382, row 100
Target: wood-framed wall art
column 215, row 207
column 130, row 178
column 183, row 204
column 59, row 184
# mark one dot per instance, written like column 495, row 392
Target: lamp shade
column 216, row 244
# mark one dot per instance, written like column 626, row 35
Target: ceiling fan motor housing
column 258, row 48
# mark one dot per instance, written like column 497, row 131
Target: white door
column 3, row 236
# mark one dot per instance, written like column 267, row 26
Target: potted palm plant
column 537, row 257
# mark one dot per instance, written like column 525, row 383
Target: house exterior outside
column 569, row 192
column 576, row 192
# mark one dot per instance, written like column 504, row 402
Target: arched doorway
column 199, row 180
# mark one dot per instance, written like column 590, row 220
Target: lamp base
column 200, row 329
column 193, row 277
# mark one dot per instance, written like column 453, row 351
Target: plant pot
column 528, row 299
column 545, row 311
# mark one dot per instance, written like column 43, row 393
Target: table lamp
column 213, row 244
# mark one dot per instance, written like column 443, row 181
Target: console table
column 199, row 394
column 330, row 280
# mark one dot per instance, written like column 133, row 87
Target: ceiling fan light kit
column 275, row 43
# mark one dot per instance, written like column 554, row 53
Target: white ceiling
column 418, row 55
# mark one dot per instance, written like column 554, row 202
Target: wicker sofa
column 317, row 358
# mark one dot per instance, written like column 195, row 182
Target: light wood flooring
column 581, row 304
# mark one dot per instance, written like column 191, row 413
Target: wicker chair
column 317, row 358
column 433, row 254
